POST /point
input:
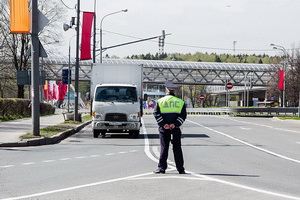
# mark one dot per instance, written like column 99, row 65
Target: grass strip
column 293, row 118
column 54, row 130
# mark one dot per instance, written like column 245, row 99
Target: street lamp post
column 94, row 37
column 76, row 95
column 101, row 47
column 281, row 48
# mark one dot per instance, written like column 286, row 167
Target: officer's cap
column 170, row 86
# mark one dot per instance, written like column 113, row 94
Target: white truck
column 116, row 91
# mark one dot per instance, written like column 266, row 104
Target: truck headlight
column 98, row 116
column 134, row 116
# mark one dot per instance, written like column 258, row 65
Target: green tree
column 217, row 59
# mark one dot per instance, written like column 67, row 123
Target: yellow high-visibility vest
column 170, row 104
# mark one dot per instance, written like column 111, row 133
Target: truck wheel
column 96, row 133
column 103, row 134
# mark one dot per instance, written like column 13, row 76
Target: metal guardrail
column 270, row 111
column 208, row 111
column 199, row 111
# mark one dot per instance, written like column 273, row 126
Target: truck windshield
column 116, row 94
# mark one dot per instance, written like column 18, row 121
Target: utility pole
column 35, row 71
column 76, row 96
column 161, row 42
column 94, row 37
column 234, row 43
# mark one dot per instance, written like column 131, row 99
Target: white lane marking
column 157, row 154
column 110, row 154
column 246, row 143
column 282, row 129
column 80, row 157
column 214, row 179
column 48, row 161
column 29, row 163
column 155, row 151
column 147, row 147
column 244, row 128
column 77, row 187
column 94, row 156
column 6, row 166
column 298, row 142
column 248, row 188
column 167, row 177
column 63, row 159
column 267, row 126
column 147, row 151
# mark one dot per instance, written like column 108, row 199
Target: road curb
column 47, row 141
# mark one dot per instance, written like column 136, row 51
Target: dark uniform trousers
column 165, row 138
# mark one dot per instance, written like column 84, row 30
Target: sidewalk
column 11, row 131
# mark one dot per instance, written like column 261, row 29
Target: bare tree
column 192, row 93
column 292, row 76
column 273, row 91
column 292, row 79
column 17, row 45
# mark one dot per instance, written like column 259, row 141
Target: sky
column 195, row 25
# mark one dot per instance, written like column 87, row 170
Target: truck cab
column 116, row 108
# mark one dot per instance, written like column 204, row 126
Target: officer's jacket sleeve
column 181, row 117
column 158, row 116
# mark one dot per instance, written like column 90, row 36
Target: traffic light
column 65, row 76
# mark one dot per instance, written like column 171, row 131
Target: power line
column 194, row 46
column 217, row 48
column 66, row 5
column 123, row 35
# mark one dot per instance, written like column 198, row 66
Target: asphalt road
column 225, row 157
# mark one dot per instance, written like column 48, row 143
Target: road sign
column 229, row 85
column 201, row 97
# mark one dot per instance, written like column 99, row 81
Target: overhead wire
column 194, row 46
column 66, row 5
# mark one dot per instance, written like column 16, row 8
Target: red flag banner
column 281, row 80
column 87, row 22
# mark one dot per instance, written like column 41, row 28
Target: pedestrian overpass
column 179, row 72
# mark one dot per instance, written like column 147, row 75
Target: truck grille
column 116, row 117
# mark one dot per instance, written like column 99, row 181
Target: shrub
column 11, row 106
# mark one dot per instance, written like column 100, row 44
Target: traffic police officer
column 170, row 113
